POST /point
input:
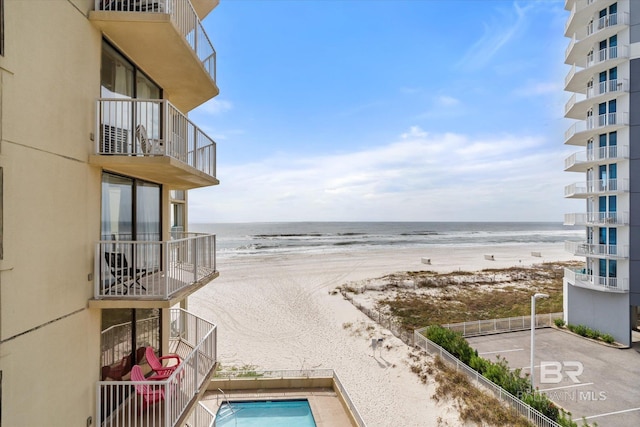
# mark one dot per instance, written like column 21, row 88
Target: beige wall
column 49, row 353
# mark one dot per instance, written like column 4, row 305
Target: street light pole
column 533, row 335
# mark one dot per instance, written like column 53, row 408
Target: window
column 130, row 209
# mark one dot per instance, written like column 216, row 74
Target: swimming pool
column 266, row 413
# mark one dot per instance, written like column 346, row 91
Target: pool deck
column 325, row 405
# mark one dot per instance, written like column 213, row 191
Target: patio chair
column 148, row 146
column 149, row 394
column 155, row 362
column 125, row 276
column 118, row 370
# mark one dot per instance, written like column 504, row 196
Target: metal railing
column 597, row 218
column 596, row 155
column 597, row 250
column 585, row 279
column 152, row 127
column 201, row 417
column 184, row 18
column 301, row 373
column 606, row 21
column 601, row 88
column 597, row 186
column 535, row 417
column 606, row 54
column 600, row 121
column 162, row 403
column 115, row 341
column 492, row 326
column 152, row 269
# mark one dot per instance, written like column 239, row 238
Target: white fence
column 162, row 403
column 493, row 326
column 152, row 269
column 535, row 417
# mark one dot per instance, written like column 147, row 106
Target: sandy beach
column 279, row 312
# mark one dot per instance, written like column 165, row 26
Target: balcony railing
column 596, row 250
column 152, row 270
column 602, row 88
column 152, row 127
column 607, row 21
column 606, row 54
column 597, row 218
column 600, row 121
column 122, row 403
column 582, row 278
column 597, row 186
column 183, row 16
column 585, row 157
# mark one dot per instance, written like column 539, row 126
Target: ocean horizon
column 304, row 237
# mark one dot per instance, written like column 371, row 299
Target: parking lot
column 588, row 379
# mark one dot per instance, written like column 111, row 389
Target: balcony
column 581, row 131
column 604, row 59
column 166, row 39
column 597, row 218
column 120, row 403
column 151, row 139
column 596, row 250
column 581, row 190
column 579, row 12
column 583, row 160
column 579, row 104
column 142, row 274
column 582, row 279
column 585, row 38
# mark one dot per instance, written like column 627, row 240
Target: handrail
column 152, row 127
column 152, row 269
column 182, row 15
column 117, row 401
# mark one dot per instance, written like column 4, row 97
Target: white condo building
column 604, row 55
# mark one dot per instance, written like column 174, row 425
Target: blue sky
column 387, row 110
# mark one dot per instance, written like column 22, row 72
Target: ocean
column 243, row 239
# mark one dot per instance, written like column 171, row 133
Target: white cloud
column 447, row 101
column 497, row 34
column 421, row 176
column 539, row 88
column 215, row 106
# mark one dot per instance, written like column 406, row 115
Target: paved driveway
column 586, row 378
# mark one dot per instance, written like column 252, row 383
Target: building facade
column 97, row 154
column 604, row 55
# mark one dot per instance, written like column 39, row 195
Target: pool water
column 266, row 413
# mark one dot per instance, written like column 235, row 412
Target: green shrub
column 608, row 338
column 451, row 341
column 592, row 333
column 559, row 322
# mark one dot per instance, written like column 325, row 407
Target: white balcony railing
column 151, row 269
column 152, row 127
column 582, row 278
column 183, row 16
column 597, row 186
column 597, row 154
column 596, row 250
column 122, row 403
column 597, row 218
column 607, row 21
column 597, row 122
column 606, row 54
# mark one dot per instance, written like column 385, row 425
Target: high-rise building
column 604, row 55
column 97, row 154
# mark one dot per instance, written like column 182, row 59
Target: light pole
column 533, row 334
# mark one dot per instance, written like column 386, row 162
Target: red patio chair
column 150, row 394
column 155, row 362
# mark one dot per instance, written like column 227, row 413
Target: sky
column 387, row 110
